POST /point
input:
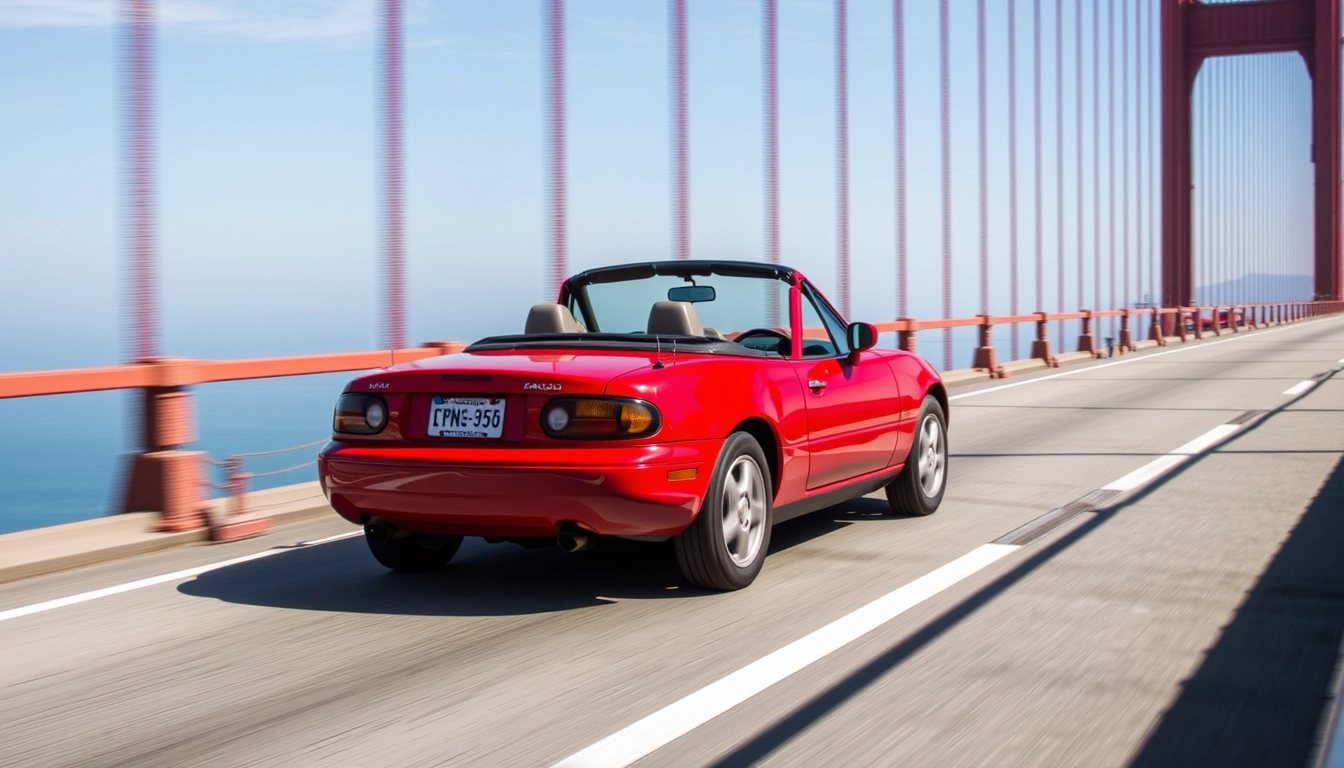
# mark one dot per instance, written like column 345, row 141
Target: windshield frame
column 574, row 288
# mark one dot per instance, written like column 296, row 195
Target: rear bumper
column 623, row 491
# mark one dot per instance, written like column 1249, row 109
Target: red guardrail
column 168, row 480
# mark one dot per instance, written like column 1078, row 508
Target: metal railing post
column 1126, row 337
column 906, row 338
column 1040, row 347
column 986, row 357
column 1086, row 341
column 162, row 477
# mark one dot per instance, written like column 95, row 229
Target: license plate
column 466, row 417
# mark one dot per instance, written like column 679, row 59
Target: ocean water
column 63, row 458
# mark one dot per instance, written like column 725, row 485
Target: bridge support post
column 1180, row 325
column 986, row 357
column 1126, row 336
column 1040, row 348
column 161, row 477
column 1198, row 318
column 1194, row 31
column 906, row 338
column 1086, row 341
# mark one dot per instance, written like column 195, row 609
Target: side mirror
column 861, row 336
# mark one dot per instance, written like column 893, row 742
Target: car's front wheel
column 408, row 552
column 725, row 547
column 918, row 490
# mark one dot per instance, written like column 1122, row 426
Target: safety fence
column 169, row 480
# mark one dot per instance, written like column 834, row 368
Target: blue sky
column 268, row 183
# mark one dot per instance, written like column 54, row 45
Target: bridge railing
column 169, row 480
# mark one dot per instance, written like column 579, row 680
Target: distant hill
column 1257, row 287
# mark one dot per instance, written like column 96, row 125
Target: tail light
column 599, row 418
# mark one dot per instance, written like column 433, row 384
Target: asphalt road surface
column 1189, row 615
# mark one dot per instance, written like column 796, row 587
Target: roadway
column 1194, row 618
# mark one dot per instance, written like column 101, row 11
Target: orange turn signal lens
column 636, row 418
column 683, row 474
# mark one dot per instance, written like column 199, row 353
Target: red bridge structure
column 167, row 478
column 1193, row 32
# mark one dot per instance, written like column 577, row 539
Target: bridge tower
column 1193, row 31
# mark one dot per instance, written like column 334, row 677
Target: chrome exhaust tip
column 575, row 540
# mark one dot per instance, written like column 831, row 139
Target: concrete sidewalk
column 73, row 545
column 61, row 547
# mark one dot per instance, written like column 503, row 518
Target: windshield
column 737, row 303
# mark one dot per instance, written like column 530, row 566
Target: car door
column 851, row 404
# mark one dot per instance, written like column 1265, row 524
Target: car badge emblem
column 378, row 385
column 533, row 386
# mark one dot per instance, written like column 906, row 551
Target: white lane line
column 1127, row 361
column 1207, row 439
column 639, row 739
column 1145, row 474
column 1164, row 464
column 84, row 597
column 1299, row 388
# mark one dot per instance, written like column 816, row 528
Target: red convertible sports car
column 619, row 412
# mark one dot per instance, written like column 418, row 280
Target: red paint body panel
column 856, row 427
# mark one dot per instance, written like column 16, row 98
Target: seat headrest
column 674, row 318
column 551, row 318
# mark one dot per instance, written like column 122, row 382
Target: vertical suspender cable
column 1036, row 138
column 1239, row 153
column 393, row 179
column 1059, row 165
column 139, row 200
column 983, row 139
column 842, row 153
column 1124, row 155
column 1243, row 189
column 1012, row 170
column 1096, row 158
column 1110, row 147
column 898, row 38
column 557, row 207
column 1222, row 214
column 1078, row 148
column 1154, row 147
column 945, row 126
column 681, row 197
column 1198, row 212
column 1253, row 175
column 770, row 107
column 1138, row 156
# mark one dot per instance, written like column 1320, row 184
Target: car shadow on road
column 484, row 579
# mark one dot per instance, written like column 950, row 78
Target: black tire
column 408, row 552
column 908, row 494
column 703, row 549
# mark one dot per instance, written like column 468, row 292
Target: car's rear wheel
column 918, row 490
column 408, row 552
column 725, row 547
